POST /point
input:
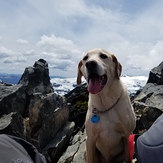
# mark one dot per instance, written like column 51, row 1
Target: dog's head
column 98, row 68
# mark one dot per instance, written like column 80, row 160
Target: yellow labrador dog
column 110, row 118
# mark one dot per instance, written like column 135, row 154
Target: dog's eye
column 103, row 56
column 85, row 58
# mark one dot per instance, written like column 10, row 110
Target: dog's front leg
column 120, row 128
column 92, row 156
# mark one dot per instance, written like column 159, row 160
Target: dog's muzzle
column 95, row 81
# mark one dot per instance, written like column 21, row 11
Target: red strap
column 131, row 146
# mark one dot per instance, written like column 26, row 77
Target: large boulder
column 31, row 110
column 76, row 152
column 148, row 104
column 48, row 127
column 12, row 124
column 47, row 115
column 36, row 79
column 156, row 75
column 12, row 99
column 56, row 147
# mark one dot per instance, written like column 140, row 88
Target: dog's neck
column 96, row 110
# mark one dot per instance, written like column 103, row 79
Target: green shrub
column 81, row 106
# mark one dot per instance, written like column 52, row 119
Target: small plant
column 81, row 106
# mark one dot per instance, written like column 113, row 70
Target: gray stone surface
column 75, row 153
column 36, row 79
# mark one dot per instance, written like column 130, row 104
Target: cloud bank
column 60, row 32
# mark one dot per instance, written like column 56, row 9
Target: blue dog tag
column 95, row 119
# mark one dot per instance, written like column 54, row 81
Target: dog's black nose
column 91, row 64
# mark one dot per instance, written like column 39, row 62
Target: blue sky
column 61, row 31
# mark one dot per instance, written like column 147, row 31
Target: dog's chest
column 106, row 122
column 105, row 133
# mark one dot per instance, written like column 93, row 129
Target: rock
column 151, row 95
column 36, row 79
column 47, row 115
column 12, row 99
column 78, row 104
column 12, row 124
column 148, row 104
column 156, row 75
column 31, row 110
column 80, row 156
column 76, row 151
column 56, row 146
column 77, row 94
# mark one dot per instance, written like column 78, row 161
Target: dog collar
column 95, row 112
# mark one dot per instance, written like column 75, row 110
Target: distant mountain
column 10, row 78
column 14, row 78
column 63, row 85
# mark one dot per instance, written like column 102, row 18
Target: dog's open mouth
column 96, row 83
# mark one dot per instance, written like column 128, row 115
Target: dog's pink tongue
column 94, row 85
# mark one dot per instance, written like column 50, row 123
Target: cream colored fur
column 107, row 140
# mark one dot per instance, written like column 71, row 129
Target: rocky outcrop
column 46, row 113
column 12, row 99
column 31, row 110
column 76, row 150
column 156, row 75
column 12, row 124
column 148, row 104
column 36, row 79
column 60, row 143
column 77, row 100
column 78, row 105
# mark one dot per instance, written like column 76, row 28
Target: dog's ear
column 79, row 73
column 118, row 67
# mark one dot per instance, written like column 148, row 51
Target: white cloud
column 59, row 52
column 9, row 56
column 67, row 9
column 62, row 65
column 56, row 55
column 60, row 32
column 22, row 41
column 57, row 44
column 4, row 52
column 15, row 60
column 28, row 52
column 155, row 54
